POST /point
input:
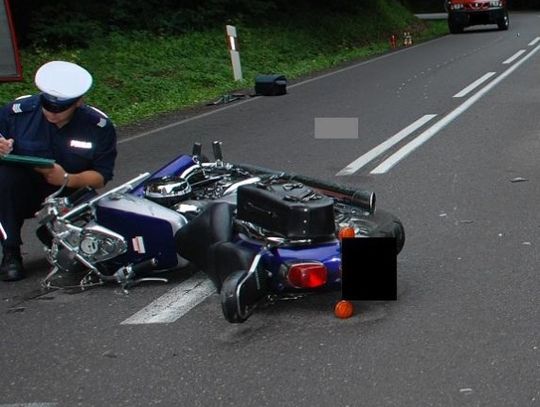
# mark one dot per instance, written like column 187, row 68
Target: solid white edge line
column 175, row 303
column 514, row 57
column 533, row 42
column 474, row 85
column 381, row 148
column 235, row 104
column 426, row 135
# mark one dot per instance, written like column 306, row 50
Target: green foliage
column 139, row 75
column 68, row 23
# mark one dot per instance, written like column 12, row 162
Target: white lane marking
column 533, row 42
column 381, row 148
column 515, row 56
column 426, row 135
column 474, row 85
column 200, row 116
column 175, row 303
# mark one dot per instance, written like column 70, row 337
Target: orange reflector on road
column 344, row 309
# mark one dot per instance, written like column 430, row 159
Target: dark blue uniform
column 86, row 142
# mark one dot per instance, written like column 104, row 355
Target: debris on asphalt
column 466, row 221
column 109, row 354
column 519, row 179
column 16, row 309
column 526, row 243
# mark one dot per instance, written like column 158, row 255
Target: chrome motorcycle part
column 98, row 244
column 89, row 245
column 167, row 191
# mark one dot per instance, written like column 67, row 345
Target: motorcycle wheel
column 504, row 22
column 385, row 224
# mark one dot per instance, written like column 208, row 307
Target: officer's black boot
column 12, row 267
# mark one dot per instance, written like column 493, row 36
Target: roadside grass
column 138, row 76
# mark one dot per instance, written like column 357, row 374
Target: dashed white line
column 175, row 303
column 474, row 85
column 433, row 130
column 514, row 57
column 381, row 148
column 534, row 42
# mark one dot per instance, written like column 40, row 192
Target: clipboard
column 27, row 160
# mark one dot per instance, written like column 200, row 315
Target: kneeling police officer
column 54, row 124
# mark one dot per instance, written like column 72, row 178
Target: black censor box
column 369, row 269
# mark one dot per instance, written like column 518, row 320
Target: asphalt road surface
column 448, row 137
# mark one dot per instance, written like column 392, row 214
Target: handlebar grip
column 218, row 153
column 143, row 266
column 197, row 149
column 81, row 194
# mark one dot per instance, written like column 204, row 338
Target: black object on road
column 369, row 269
column 270, row 85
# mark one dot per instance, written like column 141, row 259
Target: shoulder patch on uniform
column 25, row 103
column 99, row 111
column 102, row 122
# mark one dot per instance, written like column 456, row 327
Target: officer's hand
column 6, row 146
column 54, row 176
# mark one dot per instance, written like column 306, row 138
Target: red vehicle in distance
column 464, row 13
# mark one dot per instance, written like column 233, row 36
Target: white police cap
column 63, row 80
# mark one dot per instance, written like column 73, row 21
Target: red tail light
column 307, row 275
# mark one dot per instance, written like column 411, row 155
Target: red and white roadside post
column 232, row 41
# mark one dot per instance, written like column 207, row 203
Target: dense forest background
column 68, row 23
column 77, row 23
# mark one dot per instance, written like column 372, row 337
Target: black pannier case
column 270, row 85
column 291, row 209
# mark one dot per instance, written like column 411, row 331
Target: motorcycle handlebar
column 81, row 194
column 128, row 273
column 146, row 265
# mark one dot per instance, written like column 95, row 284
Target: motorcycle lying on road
column 255, row 232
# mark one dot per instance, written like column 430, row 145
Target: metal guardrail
column 9, row 63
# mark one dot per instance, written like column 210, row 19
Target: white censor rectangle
column 336, row 127
column 232, row 42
